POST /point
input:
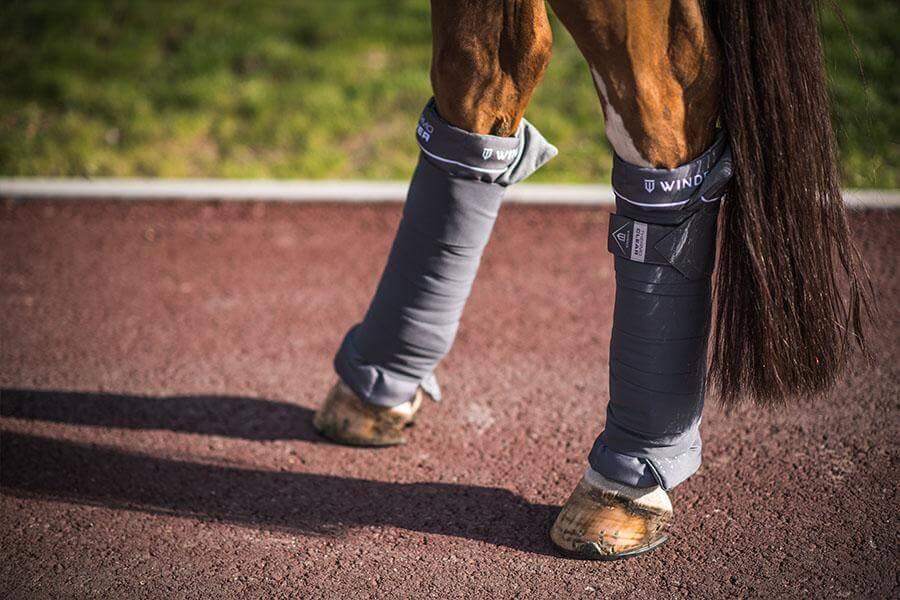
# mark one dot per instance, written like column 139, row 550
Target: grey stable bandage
column 663, row 237
column 453, row 201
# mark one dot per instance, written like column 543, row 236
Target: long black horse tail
column 791, row 289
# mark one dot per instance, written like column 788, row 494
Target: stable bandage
column 453, row 201
column 663, row 237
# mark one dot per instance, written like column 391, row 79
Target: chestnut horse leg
column 656, row 66
column 489, row 55
column 656, row 69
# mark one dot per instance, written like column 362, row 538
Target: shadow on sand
column 41, row 467
column 228, row 416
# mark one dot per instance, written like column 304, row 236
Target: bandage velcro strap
column 689, row 247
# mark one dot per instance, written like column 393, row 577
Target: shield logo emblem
column 621, row 237
column 649, row 185
column 486, row 153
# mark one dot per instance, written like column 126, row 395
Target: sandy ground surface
column 160, row 364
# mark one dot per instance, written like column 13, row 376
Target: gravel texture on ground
column 160, row 363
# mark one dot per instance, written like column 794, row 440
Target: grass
column 320, row 89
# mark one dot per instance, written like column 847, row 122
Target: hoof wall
column 605, row 520
column 344, row 418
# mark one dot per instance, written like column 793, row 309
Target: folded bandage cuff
column 663, row 237
column 452, row 203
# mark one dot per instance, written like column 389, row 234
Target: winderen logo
column 424, row 130
column 500, row 154
column 675, row 185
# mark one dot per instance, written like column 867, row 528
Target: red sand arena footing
column 160, row 363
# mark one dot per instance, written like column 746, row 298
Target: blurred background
column 324, row 89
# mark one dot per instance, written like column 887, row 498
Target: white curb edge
column 326, row 191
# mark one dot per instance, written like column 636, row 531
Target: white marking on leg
column 616, row 133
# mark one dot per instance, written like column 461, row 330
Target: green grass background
column 321, row 89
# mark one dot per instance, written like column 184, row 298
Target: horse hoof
column 606, row 520
column 344, row 418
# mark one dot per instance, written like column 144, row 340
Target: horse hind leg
column 655, row 66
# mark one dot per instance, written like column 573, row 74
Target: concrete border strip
column 325, row 191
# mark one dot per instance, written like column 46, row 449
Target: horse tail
column 791, row 289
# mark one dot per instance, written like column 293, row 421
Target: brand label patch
column 639, row 241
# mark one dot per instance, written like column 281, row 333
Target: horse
column 729, row 225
